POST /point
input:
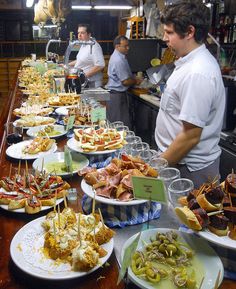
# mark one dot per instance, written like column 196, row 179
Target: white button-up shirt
column 195, row 94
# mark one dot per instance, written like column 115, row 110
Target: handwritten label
column 129, row 251
column 70, row 122
column 149, row 189
column 67, row 159
column 98, row 113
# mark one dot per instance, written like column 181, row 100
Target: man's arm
column 94, row 70
column 188, row 138
column 131, row 81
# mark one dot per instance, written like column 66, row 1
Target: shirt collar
column 189, row 56
column 120, row 54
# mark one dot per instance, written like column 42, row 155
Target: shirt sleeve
column 196, row 98
column 97, row 56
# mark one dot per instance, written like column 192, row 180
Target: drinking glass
column 130, row 141
column 116, row 124
column 122, row 128
column 129, row 133
column 145, row 156
column 14, row 134
column 72, row 194
column 179, row 188
column 158, row 163
column 137, row 148
column 168, row 175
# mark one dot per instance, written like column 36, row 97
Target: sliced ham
column 115, row 180
column 127, row 181
column 86, row 170
column 112, row 169
column 105, row 191
column 126, row 196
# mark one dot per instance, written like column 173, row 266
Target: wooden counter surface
column 11, row 277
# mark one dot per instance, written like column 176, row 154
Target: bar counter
column 11, row 277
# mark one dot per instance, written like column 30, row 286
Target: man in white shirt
column 90, row 61
column 192, row 106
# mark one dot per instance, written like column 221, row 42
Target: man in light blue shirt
column 120, row 79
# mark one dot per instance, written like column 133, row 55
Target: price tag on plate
column 70, row 122
column 98, row 113
column 149, row 189
column 67, row 159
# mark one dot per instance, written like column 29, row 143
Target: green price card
column 70, row 122
column 98, row 114
column 129, row 251
column 149, row 189
column 67, row 159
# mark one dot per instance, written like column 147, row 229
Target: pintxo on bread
column 31, row 192
column 217, row 205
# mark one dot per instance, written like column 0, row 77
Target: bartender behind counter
column 120, row 79
column 91, row 62
column 192, row 106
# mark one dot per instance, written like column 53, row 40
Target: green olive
column 162, row 248
column 171, row 248
column 191, row 283
column 171, row 261
column 156, row 278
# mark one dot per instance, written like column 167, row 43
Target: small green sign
column 70, row 122
column 129, row 251
column 67, row 159
column 98, row 113
column 149, row 189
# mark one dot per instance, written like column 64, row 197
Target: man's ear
column 191, row 32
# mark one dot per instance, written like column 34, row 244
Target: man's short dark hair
column 118, row 40
column 185, row 13
column 86, row 26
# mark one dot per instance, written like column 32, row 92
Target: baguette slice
column 188, row 218
column 32, row 205
column 16, row 204
column 206, row 205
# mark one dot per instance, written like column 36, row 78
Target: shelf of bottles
column 137, row 28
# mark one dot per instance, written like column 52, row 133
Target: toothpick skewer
column 26, row 168
column 18, row 172
column 54, row 229
column 79, row 232
column 215, row 213
column 201, row 282
column 94, row 202
column 101, row 217
column 55, row 202
column 59, row 217
column 65, row 202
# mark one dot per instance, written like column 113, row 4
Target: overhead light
column 101, row 7
column 29, row 3
column 112, row 7
column 81, row 7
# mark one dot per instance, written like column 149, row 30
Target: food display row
column 55, row 240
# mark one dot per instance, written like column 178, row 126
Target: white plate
column 203, row 252
column 38, row 119
column 26, row 253
column 88, row 190
column 223, row 241
column 80, row 161
column 32, row 132
column 15, row 151
column 63, row 110
column 74, row 145
column 22, row 210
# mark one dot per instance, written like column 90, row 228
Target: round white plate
column 22, row 210
column 26, row 252
column 15, row 151
column 63, row 110
column 32, row 132
column 74, row 145
column 88, row 190
column 78, row 159
column 37, row 119
column 223, row 241
column 203, row 252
